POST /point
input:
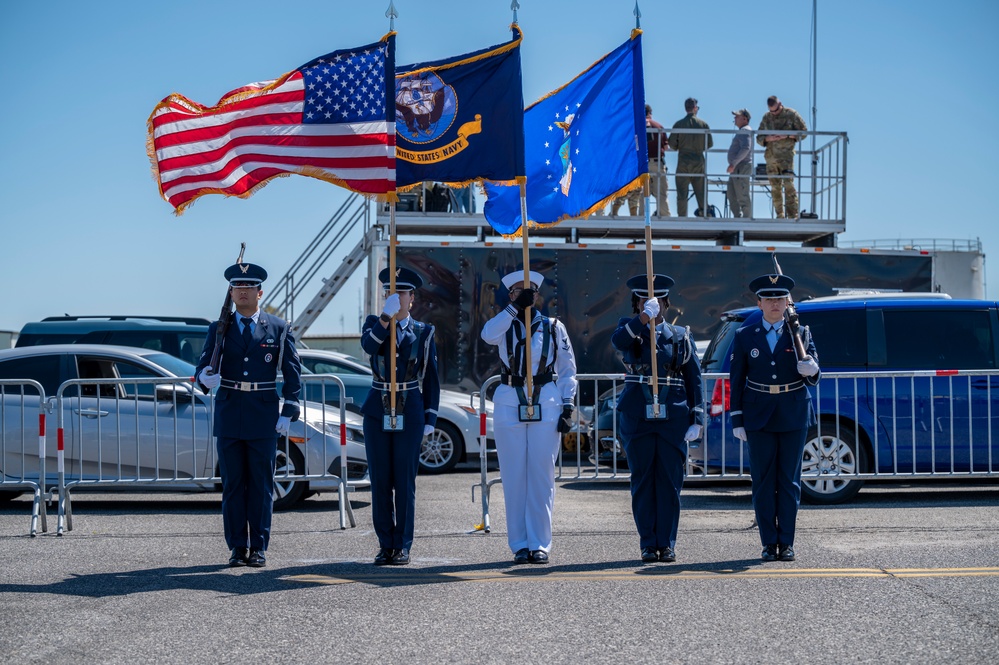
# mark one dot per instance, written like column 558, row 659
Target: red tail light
column 720, row 397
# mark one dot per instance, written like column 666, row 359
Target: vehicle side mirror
column 167, row 392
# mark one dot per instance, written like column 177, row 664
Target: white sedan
column 456, row 437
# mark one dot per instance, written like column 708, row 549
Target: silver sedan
column 133, row 419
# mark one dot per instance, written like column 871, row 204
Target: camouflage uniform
column 636, row 206
column 780, row 159
column 691, row 160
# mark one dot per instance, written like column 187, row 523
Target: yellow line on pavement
column 419, row 576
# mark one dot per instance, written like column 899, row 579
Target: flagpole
column 650, row 279
column 391, row 13
column 528, row 371
column 392, row 323
column 652, row 294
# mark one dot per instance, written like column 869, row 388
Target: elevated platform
column 720, row 230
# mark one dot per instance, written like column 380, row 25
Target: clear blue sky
column 85, row 232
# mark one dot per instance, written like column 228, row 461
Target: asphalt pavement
column 902, row 574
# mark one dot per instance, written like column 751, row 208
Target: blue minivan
column 915, row 392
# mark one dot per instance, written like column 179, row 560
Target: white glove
column 283, row 423
column 391, row 307
column 693, row 433
column 209, row 381
column 808, row 366
column 428, row 430
column 651, row 308
column 739, row 433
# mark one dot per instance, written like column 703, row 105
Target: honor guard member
column 772, row 410
column 249, row 415
column 655, row 429
column 393, row 443
column 528, row 439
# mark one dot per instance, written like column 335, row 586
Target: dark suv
column 181, row 337
column 907, row 408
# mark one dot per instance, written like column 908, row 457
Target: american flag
column 328, row 119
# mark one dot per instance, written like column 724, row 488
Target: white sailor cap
column 516, row 278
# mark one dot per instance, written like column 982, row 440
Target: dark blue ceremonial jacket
column 752, row 360
column 253, row 415
column 683, row 401
column 416, row 355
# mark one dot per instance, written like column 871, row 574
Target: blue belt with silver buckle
column 775, row 388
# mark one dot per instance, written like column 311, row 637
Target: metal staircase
column 353, row 212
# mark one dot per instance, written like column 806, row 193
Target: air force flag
column 585, row 144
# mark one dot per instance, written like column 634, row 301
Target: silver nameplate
column 529, row 413
column 392, row 423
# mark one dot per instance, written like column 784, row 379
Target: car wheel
column 441, row 450
column 828, row 455
column 289, row 492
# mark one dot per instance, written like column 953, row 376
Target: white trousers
column 527, row 454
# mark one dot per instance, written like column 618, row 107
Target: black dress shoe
column 237, row 557
column 786, row 553
column 769, row 553
column 256, row 559
column 649, row 555
column 667, row 554
column 538, row 556
column 400, row 557
column 523, row 555
column 384, row 556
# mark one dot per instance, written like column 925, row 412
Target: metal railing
column 22, row 444
column 869, row 425
column 819, row 174
column 876, row 425
column 156, row 433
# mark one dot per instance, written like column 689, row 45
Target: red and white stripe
column 256, row 133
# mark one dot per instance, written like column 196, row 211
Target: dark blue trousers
column 393, row 460
column 775, row 466
column 247, row 470
column 657, row 469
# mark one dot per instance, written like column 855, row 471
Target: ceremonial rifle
column 791, row 317
column 224, row 320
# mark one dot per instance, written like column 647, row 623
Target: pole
column 392, row 14
column 651, row 286
column 392, row 342
column 528, row 311
column 815, row 83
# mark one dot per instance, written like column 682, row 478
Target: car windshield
column 714, row 356
column 172, row 364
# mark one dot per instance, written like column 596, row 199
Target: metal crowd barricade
column 156, row 432
column 22, row 463
column 926, row 424
column 580, row 448
column 876, row 425
column 341, row 479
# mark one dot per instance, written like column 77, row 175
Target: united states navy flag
column 585, row 145
column 461, row 119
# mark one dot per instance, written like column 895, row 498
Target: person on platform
column 249, row 416
column 779, row 154
column 528, row 427
column 393, row 434
column 740, row 167
column 691, row 162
